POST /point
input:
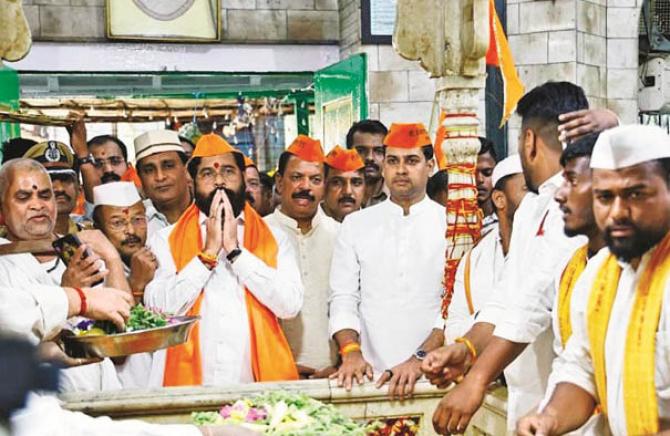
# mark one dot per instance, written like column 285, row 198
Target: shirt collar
column 551, row 184
column 293, row 224
column 152, row 212
column 416, row 208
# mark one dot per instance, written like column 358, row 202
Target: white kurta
column 486, row 266
column 87, row 378
column 386, row 279
column 576, row 366
column 522, row 303
column 307, row 333
column 34, row 313
column 224, row 324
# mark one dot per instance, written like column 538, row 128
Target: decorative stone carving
column 15, row 40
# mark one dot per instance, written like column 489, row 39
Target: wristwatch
column 233, row 254
column 89, row 159
column 420, row 354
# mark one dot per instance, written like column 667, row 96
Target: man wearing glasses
column 121, row 216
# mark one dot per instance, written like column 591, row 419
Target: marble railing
column 174, row 405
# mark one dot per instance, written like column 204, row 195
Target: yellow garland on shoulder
column 639, row 374
column 640, row 400
column 572, row 272
column 598, row 317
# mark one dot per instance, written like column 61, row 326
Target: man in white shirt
column 121, row 216
column 520, row 307
column 617, row 356
column 300, row 178
column 387, row 270
column 29, row 212
column 482, row 266
column 222, row 262
column 161, row 165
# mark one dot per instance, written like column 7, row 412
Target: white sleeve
column 459, row 319
column 345, row 291
column 36, row 313
column 281, row 288
column 169, row 291
column 43, row 415
column 530, row 298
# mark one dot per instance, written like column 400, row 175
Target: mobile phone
column 67, row 246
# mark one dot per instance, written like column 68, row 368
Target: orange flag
column 500, row 55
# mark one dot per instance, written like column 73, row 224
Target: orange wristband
column 471, row 348
column 350, row 348
column 208, row 260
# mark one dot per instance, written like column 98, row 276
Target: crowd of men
column 334, row 267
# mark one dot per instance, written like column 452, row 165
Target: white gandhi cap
column 156, row 141
column 629, row 145
column 118, row 194
column 507, row 167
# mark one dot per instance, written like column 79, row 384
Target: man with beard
column 252, row 181
column 121, row 216
column 483, row 265
column 57, row 158
column 301, row 185
column 617, row 356
column 486, row 161
column 222, row 262
column 387, row 270
column 29, row 211
column 520, row 307
column 345, row 183
column 161, row 165
column 366, row 137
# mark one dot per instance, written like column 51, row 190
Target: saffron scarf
column 569, row 277
column 640, row 400
column 271, row 357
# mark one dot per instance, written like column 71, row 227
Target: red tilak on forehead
column 126, row 211
column 34, row 187
column 217, row 165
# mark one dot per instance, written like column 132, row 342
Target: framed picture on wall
column 164, row 20
column 377, row 21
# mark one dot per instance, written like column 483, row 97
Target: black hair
column 194, row 163
column 581, row 147
column 267, row 182
column 427, row 151
column 486, row 146
column 283, row 162
column 101, row 139
column 15, row 148
column 374, row 127
column 547, row 101
column 185, row 139
column 437, row 183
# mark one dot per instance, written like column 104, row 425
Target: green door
column 340, row 99
column 9, row 96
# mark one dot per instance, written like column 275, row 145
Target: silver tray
column 123, row 344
